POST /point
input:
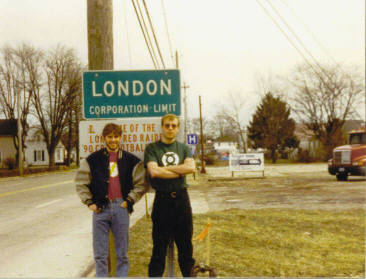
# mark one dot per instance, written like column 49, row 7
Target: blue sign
column 192, row 139
column 120, row 94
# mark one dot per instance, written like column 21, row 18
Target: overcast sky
column 224, row 46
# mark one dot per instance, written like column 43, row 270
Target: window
column 38, row 155
column 357, row 138
column 58, row 154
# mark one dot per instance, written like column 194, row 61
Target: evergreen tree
column 271, row 127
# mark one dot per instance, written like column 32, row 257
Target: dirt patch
column 307, row 186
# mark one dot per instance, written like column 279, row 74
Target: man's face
column 170, row 129
column 112, row 141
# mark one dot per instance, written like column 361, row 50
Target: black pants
column 172, row 219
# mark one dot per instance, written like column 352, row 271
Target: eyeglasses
column 173, row 126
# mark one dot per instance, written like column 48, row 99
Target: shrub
column 10, row 163
column 303, row 156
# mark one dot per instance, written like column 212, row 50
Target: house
column 8, row 131
column 225, row 147
column 36, row 149
column 307, row 140
column 313, row 145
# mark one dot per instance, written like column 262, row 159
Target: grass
column 270, row 243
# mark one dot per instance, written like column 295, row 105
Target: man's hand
column 94, row 207
column 128, row 203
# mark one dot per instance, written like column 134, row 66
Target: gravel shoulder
column 295, row 186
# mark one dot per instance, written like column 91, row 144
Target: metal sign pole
column 170, row 260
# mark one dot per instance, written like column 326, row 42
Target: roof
column 8, row 127
column 302, row 132
column 353, row 125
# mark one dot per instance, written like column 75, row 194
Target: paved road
column 46, row 232
column 43, row 222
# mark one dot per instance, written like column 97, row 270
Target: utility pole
column 20, row 141
column 100, row 57
column 100, row 34
column 185, row 111
column 170, row 261
column 203, row 169
column 176, row 59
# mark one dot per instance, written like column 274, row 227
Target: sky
column 224, row 46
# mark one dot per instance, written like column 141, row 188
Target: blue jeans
column 115, row 218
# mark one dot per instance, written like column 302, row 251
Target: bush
column 211, row 159
column 10, row 163
column 303, row 156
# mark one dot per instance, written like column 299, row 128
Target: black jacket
column 99, row 171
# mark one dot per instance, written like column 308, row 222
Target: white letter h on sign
column 191, row 139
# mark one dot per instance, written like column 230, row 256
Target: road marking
column 48, row 203
column 35, row 188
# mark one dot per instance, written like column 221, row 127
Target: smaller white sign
column 246, row 162
column 136, row 134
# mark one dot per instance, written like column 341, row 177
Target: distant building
column 225, row 147
column 36, row 152
column 8, row 132
column 309, row 142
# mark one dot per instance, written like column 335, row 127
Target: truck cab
column 350, row 159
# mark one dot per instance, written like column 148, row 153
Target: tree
column 221, row 130
column 230, row 113
column 52, row 104
column 74, row 111
column 271, row 126
column 324, row 100
column 19, row 74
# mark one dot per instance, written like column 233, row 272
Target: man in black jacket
column 109, row 181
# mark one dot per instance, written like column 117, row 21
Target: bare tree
column 53, row 102
column 324, row 100
column 74, row 111
column 19, row 74
column 231, row 114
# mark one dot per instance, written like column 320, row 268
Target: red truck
column 350, row 159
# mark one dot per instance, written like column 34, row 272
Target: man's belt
column 171, row 195
column 120, row 200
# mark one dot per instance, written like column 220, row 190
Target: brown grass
column 270, row 242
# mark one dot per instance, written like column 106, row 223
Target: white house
column 225, row 147
column 36, row 150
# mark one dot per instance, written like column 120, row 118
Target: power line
column 143, row 32
column 128, row 38
column 147, row 33
column 287, row 37
column 167, row 32
column 152, row 29
column 326, row 52
column 306, row 60
column 297, row 38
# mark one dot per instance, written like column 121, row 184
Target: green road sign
column 125, row 94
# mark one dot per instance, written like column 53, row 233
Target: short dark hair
column 112, row 128
column 169, row 116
